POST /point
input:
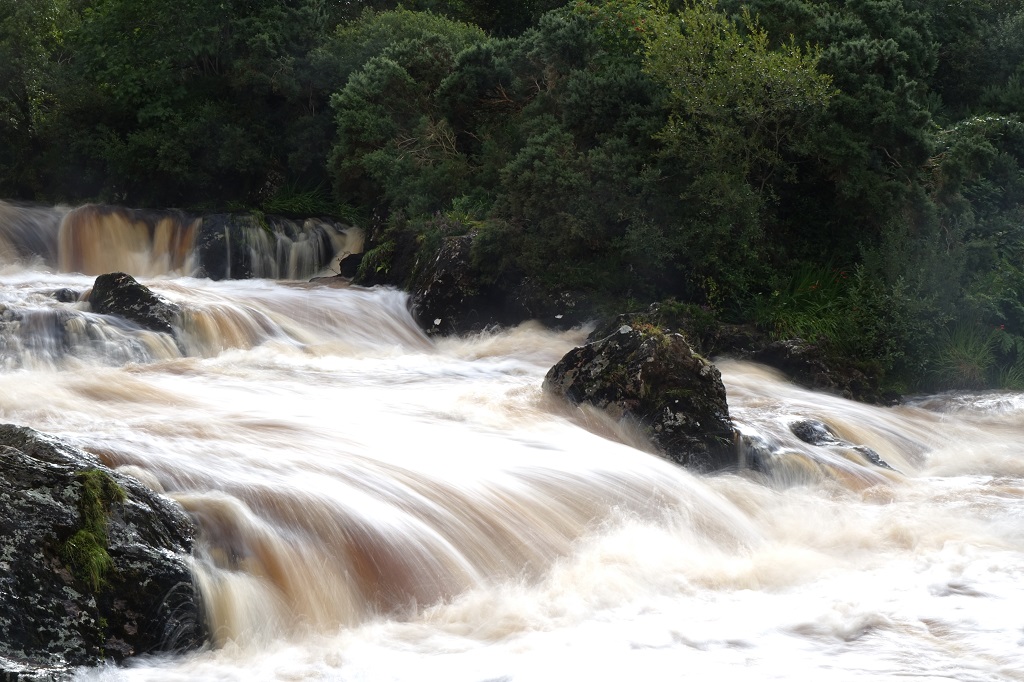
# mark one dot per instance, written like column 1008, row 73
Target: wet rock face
column 61, row 604
column 448, row 297
column 654, row 378
column 219, row 246
column 452, row 296
column 119, row 294
column 528, row 300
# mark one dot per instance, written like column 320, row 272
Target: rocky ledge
column 653, row 378
column 94, row 567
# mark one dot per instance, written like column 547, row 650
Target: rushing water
column 377, row 505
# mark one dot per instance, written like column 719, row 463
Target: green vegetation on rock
column 86, row 551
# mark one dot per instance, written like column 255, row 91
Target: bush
column 810, row 305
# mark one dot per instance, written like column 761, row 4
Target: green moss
column 87, row 556
column 85, row 552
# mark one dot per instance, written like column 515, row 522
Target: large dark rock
column 448, row 296
column 451, row 294
column 562, row 309
column 809, row 365
column 654, row 378
column 62, row 604
column 348, row 266
column 119, row 294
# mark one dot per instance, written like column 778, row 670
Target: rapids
column 377, row 505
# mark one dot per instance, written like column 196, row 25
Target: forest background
column 850, row 172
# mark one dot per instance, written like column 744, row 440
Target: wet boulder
column 348, row 266
column 448, row 294
column 809, row 365
column 94, row 567
column 221, row 247
column 653, row 378
column 814, row 432
column 806, row 363
column 65, row 295
column 119, row 294
column 557, row 309
column 452, row 295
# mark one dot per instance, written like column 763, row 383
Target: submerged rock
column 65, row 295
column 94, row 567
column 654, row 378
column 814, row 432
column 119, row 294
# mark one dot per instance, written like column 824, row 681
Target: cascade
column 376, row 504
column 94, row 239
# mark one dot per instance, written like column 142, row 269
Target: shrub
column 810, row 305
column 965, row 357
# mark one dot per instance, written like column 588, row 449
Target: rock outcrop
column 120, row 294
column 448, row 296
column 94, row 567
column 654, row 378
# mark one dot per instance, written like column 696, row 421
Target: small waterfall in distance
column 28, row 233
column 96, row 239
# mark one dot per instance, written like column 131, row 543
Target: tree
column 32, row 48
column 394, row 144
column 741, row 112
column 217, row 110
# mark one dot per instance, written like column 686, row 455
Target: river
column 374, row 504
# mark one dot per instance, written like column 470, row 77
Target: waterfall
column 376, row 504
column 95, row 239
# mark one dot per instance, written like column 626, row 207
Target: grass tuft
column 86, row 551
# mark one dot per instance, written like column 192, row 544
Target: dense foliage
column 849, row 171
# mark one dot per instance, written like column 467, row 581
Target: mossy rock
column 642, row 373
column 94, row 567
